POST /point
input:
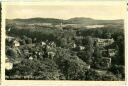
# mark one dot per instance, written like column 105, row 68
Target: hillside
column 76, row 20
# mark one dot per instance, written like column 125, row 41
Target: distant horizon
column 63, row 19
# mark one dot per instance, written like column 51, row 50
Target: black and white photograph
column 65, row 42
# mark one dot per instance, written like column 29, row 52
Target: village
column 47, row 49
column 63, row 51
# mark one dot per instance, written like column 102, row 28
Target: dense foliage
column 68, row 63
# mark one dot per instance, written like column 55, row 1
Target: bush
column 71, row 66
column 118, row 70
column 45, row 69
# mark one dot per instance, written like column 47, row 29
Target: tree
column 88, row 41
column 97, row 53
column 89, row 48
column 63, row 42
column 11, row 52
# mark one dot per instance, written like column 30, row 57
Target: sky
column 104, row 11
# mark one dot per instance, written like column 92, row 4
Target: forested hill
column 35, row 20
column 90, row 21
column 76, row 20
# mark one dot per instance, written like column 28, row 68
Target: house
column 43, row 43
column 103, row 63
column 74, row 45
column 51, row 54
column 30, row 58
column 16, row 43
column 103, row 42
column 112, row 52
column 8, row 65
column 79, row 37
column 81, row 47
column 87, row 66
column 106, row 63
column 109, row 52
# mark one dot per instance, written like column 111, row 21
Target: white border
column 51, row 82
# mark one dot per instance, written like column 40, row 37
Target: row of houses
column 103, row 42
column 107, row 54
column 43, row 48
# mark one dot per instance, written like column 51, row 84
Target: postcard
column 64, row 43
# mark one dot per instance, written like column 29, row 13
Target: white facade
column 30, row 58
column 16, row 43
column 43, row 43
column 103, row 42
column 8, row 65
column 112, row 52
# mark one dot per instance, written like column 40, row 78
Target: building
column 81, row 47
column 87, row 66
column 79, row 37
column 43, row 43
column 16, row 43
column 106, row 62
column 74, row 45
column 51, row 54
column 8, row 64
column 103, row 42
column 103, row 63
column 108, row 53
column 112, row 52
column 30, row 58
